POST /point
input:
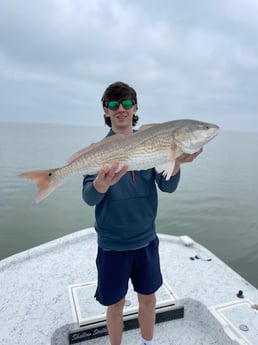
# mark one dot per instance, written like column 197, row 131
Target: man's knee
column 117, row 308
column 147, row 301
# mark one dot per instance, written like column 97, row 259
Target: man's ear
column 105, row 111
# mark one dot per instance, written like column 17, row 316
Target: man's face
column 121, row 118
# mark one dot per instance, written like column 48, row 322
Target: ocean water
column 216, row 203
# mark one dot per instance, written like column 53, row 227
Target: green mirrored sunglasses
column 114, row 105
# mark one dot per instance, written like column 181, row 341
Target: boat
column 47, row 297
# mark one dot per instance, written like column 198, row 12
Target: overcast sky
column 186, row 59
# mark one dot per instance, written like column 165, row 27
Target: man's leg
column 147, row 315
column 115, row 322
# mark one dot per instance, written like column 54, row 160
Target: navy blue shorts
column 115, row 268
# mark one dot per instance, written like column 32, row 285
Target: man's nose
column 120, row 108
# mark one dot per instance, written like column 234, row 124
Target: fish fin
column 94, row 146
column 173, row 153
column 166, row 169
column 149, row 125
column 46, row 185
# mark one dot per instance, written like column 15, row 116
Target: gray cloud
column 199, row 60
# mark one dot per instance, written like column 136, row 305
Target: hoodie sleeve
column 89, row 194
column 168, row 186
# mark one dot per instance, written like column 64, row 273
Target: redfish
column 153, row 146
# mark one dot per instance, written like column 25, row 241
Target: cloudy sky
column 186, row 59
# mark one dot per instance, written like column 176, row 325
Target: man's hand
column 185, row 158
column 107, row 176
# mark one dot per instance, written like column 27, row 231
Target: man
column 126, row 209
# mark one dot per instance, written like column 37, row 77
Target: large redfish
column 153, row 146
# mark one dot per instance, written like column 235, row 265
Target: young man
column 126, row 209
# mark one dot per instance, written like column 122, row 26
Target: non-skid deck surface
column 35, row 302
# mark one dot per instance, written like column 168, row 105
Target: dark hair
column 119, row 91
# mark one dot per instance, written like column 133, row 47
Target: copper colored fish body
column 153, row 146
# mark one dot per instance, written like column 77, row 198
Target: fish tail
column 45, row 181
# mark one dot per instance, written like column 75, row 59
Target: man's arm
column 95, row 187
column 170, row 185
column 185, row 158
column 107, row 176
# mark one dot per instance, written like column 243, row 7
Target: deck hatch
column 239, row 319
column 87, row 310
column 90, row 316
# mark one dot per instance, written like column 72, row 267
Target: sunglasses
column 114, row 105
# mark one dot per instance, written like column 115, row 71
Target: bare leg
column 115, row 322
column 147, row 315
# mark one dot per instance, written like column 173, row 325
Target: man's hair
column 117, row 92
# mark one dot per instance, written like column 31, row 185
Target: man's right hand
column 107, row 176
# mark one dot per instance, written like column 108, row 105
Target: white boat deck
column 47, row 293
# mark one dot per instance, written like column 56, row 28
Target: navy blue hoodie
column 126, row 213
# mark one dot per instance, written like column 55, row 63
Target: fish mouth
column 214, row 131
